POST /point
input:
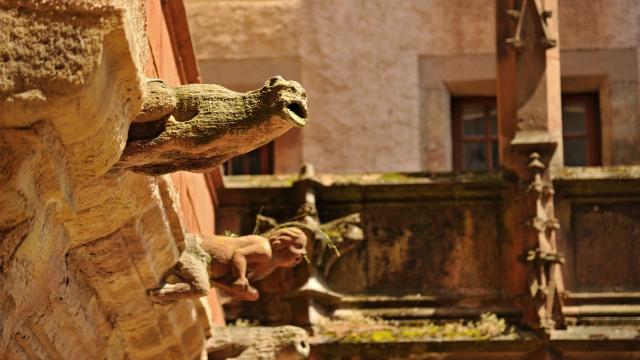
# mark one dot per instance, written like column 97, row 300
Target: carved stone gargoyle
column 288, row 292
column 197, row 127
column 229, row 263
column 258, row 343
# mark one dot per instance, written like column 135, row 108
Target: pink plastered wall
column 195, row 195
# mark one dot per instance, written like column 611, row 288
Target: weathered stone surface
column 99, row 212
column 449, row 247
column 435, row 249
column 37, row 85
column 438, row 238
column 121, row 267
column 79, row 245
column 172, row 209
column 34, row 170
column 259, row 343
column 598, row 209
column 38, row 286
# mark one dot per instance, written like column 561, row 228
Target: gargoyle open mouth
column 297, row 111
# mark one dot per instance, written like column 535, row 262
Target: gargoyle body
column 229, row 263
column 197, row 127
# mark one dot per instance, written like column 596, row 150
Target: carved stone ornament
column 258, row 343
column 197, row 127
column 229, row 263
column 546, row 277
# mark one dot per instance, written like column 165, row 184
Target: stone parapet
column 434, row 254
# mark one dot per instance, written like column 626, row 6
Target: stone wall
column 80, row 244
column 599, row 211
column 424, row 235
column 381, row 74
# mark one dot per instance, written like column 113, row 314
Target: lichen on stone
column 362, row 329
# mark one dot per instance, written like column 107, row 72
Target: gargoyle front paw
column 241, row 284
column 244, row 291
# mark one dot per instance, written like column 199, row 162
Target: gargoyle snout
column 292, row 97
column 298, row 112
column 303, row 349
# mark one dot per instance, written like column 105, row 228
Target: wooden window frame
column 459, row 139
column 265, row 154
column 593, row 133
column 593, row 129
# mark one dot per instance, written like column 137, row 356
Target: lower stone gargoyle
column 258, row 343
column 229, row 263
column 197, row 127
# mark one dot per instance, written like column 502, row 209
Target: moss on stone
column 365, row 330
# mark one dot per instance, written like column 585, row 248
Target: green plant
column 230, row 233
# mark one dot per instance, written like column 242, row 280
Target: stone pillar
column 529, row 97
column 530, row 140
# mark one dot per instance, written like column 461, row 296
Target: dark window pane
column 575, row 152
column 573, row 120
column 247, row 164
column 473, row 119
column 495, row 155
column 493, row 122
column 474, row 155
column 252, row 163
column 234, row 167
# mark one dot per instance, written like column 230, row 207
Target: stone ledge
column 598, row 182
column 590, row 173
column 365, row 188
column 328, row 180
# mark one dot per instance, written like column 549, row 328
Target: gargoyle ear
column 274, row 80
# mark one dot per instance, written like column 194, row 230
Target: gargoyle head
column 289, row 99
column 288, row 246
column 197, row 127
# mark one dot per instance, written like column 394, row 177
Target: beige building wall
column 380, row 74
